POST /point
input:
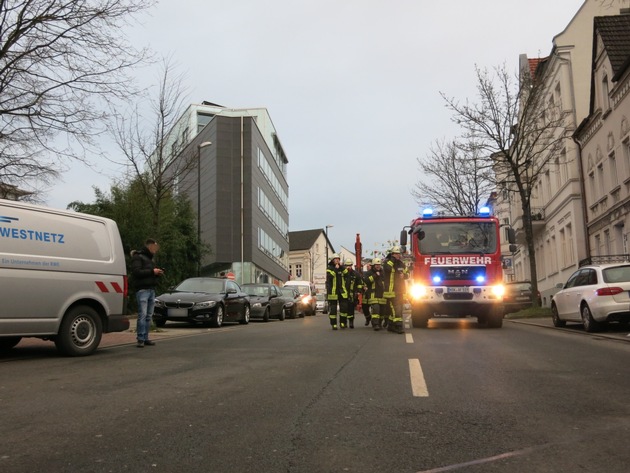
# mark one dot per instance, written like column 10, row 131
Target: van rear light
column 126, row 286
column 608, row 291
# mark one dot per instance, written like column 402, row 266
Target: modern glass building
column 239, row 189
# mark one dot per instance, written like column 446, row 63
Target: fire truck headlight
column 418, row 291
column 498, row 290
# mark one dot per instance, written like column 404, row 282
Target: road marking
column 409, row 338
column 480, row 461
column 418, row 385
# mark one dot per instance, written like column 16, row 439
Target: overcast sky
column 352, row 86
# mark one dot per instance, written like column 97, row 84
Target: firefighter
column 374, row 294
column 395, row 273
column 333, row 287
column 365, row 306
column 351, row 283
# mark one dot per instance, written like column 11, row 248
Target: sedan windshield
column 211, row 286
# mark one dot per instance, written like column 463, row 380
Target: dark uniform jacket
column 375, row 286
column 395, row 273
column 333, row 282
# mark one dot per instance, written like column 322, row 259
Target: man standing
column 395, row 273
column 144, row 276
column 333, row 288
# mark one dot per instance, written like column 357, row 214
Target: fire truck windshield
column 460, row 237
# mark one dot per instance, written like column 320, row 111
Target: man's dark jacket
column 142, row 266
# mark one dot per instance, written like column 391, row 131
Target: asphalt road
column 295, row 397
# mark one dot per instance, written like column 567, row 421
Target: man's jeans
column 146, row 302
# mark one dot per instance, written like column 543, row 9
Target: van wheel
column 80, row 332
column 6, row 343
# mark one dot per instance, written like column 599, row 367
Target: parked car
column 518, row 295
column 265, row 301
column 307, row 291
column 295, row 308
column 594, row 295
column 211, row 301
column 321, row 303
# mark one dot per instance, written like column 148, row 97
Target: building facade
column 239, row 190
column 307, row 256
column 604, row 137
column 558, row 208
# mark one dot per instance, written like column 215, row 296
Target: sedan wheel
column 281, row 315
column 557, row 322
column 245, row 319
column 217, row 318
column 590, row 324
column 266, row 315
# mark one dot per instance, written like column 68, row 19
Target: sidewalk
column 613, row 331
column 128, row 337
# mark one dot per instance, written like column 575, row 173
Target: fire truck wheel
column 495, row 318
column 420, row 317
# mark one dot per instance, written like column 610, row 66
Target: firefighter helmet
column 376, row 261
column 335, row 255
column 348, row 262
column 395, row 249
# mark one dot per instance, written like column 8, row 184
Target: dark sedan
column 210, row 301
column 265, row 301
column 292, row 294
column 518, row 296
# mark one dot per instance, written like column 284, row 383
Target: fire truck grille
column 458, row 273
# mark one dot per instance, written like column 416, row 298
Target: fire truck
column 456, row 267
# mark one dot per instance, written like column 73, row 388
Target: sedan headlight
column 159, row 303
column 204, row 304
column 257, row 305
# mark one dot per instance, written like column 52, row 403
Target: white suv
column 594, row 295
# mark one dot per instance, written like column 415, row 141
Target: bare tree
column 519, row 129
column 149, row 148
column 59, row 61
column 455, row 178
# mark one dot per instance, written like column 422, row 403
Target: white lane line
column 418, row 385
column 409, row 338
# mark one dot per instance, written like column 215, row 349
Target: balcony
column 538, row 224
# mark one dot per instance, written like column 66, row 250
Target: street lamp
column 199, row 146
column 327, row 227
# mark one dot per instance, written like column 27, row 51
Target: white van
column 307, row 291
column 62, row 277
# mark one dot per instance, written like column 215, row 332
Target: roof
column 304, row 239
column 615, row 34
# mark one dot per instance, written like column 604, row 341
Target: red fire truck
column 456, row 267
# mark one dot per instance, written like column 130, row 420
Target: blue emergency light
column 428, row 212
column 484, row 211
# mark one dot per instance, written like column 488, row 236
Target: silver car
column 594, row 295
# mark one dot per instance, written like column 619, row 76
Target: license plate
column 178, row 312
column 522, row 298
column 457, row 289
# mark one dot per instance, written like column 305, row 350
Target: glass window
column 617, row 274
column 451, row 238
